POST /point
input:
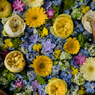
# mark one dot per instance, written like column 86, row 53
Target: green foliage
column 24, row 74
column 16, row 43
column 40, row 80
column 6, row 77
column 68, row 4
column 81, row 40
column 56, row 9
column 40, row 29
column 17, row 90
column 81, row 1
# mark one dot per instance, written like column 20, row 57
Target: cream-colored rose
column 14, row 26
column 87, row 20
column 33, row 3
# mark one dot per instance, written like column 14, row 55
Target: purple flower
column 19, row 84
column 47, row 4
column 33, row 38
column 35, row 85
column 24, row 45
column 18, row 5
column 4, row 53
column 73, row 63
column 50, row 13
column 48, row 46
column 80, row 59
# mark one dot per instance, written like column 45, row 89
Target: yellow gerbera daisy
column 35, row 17
column 33, row 3
column 72, row 45
column 42, row 65
column 88, row 69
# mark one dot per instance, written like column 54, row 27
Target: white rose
column 14, row 26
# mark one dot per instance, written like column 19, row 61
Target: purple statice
column 48, row 46
column 41, row 89
column 24, row 45
column 33, row 38
column 35, row 85
column 90, row 87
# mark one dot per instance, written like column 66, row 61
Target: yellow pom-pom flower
column 56, row 87
column 88, row 69
column 42, row 65
column 57, row 53
column 74, row 71
column 37, row 47
column 72, row 46
column 44, row 32
column 35, row 17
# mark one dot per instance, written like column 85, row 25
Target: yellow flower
column 57, row 53
column 8, row 43
column 4, row 46
column 42, row 65
column 37, row 47
column 74, row 71
column 72, row 46
column 44, row 32
column 33, row 3
column 35, row 17
column 88, row 69
column 56, row 87
column 85, row 9
column 81, row 91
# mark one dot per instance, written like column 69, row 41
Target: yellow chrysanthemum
column 42, row 65
column 56, row 87
column 88, row 69
column 72, row 46
column 33, row 3
column 35, row 17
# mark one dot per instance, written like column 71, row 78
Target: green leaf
column 81, row 40
column 6, row 77
column 16, row 43
column 68, row 4
column 24, row 74
column 40, row 80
